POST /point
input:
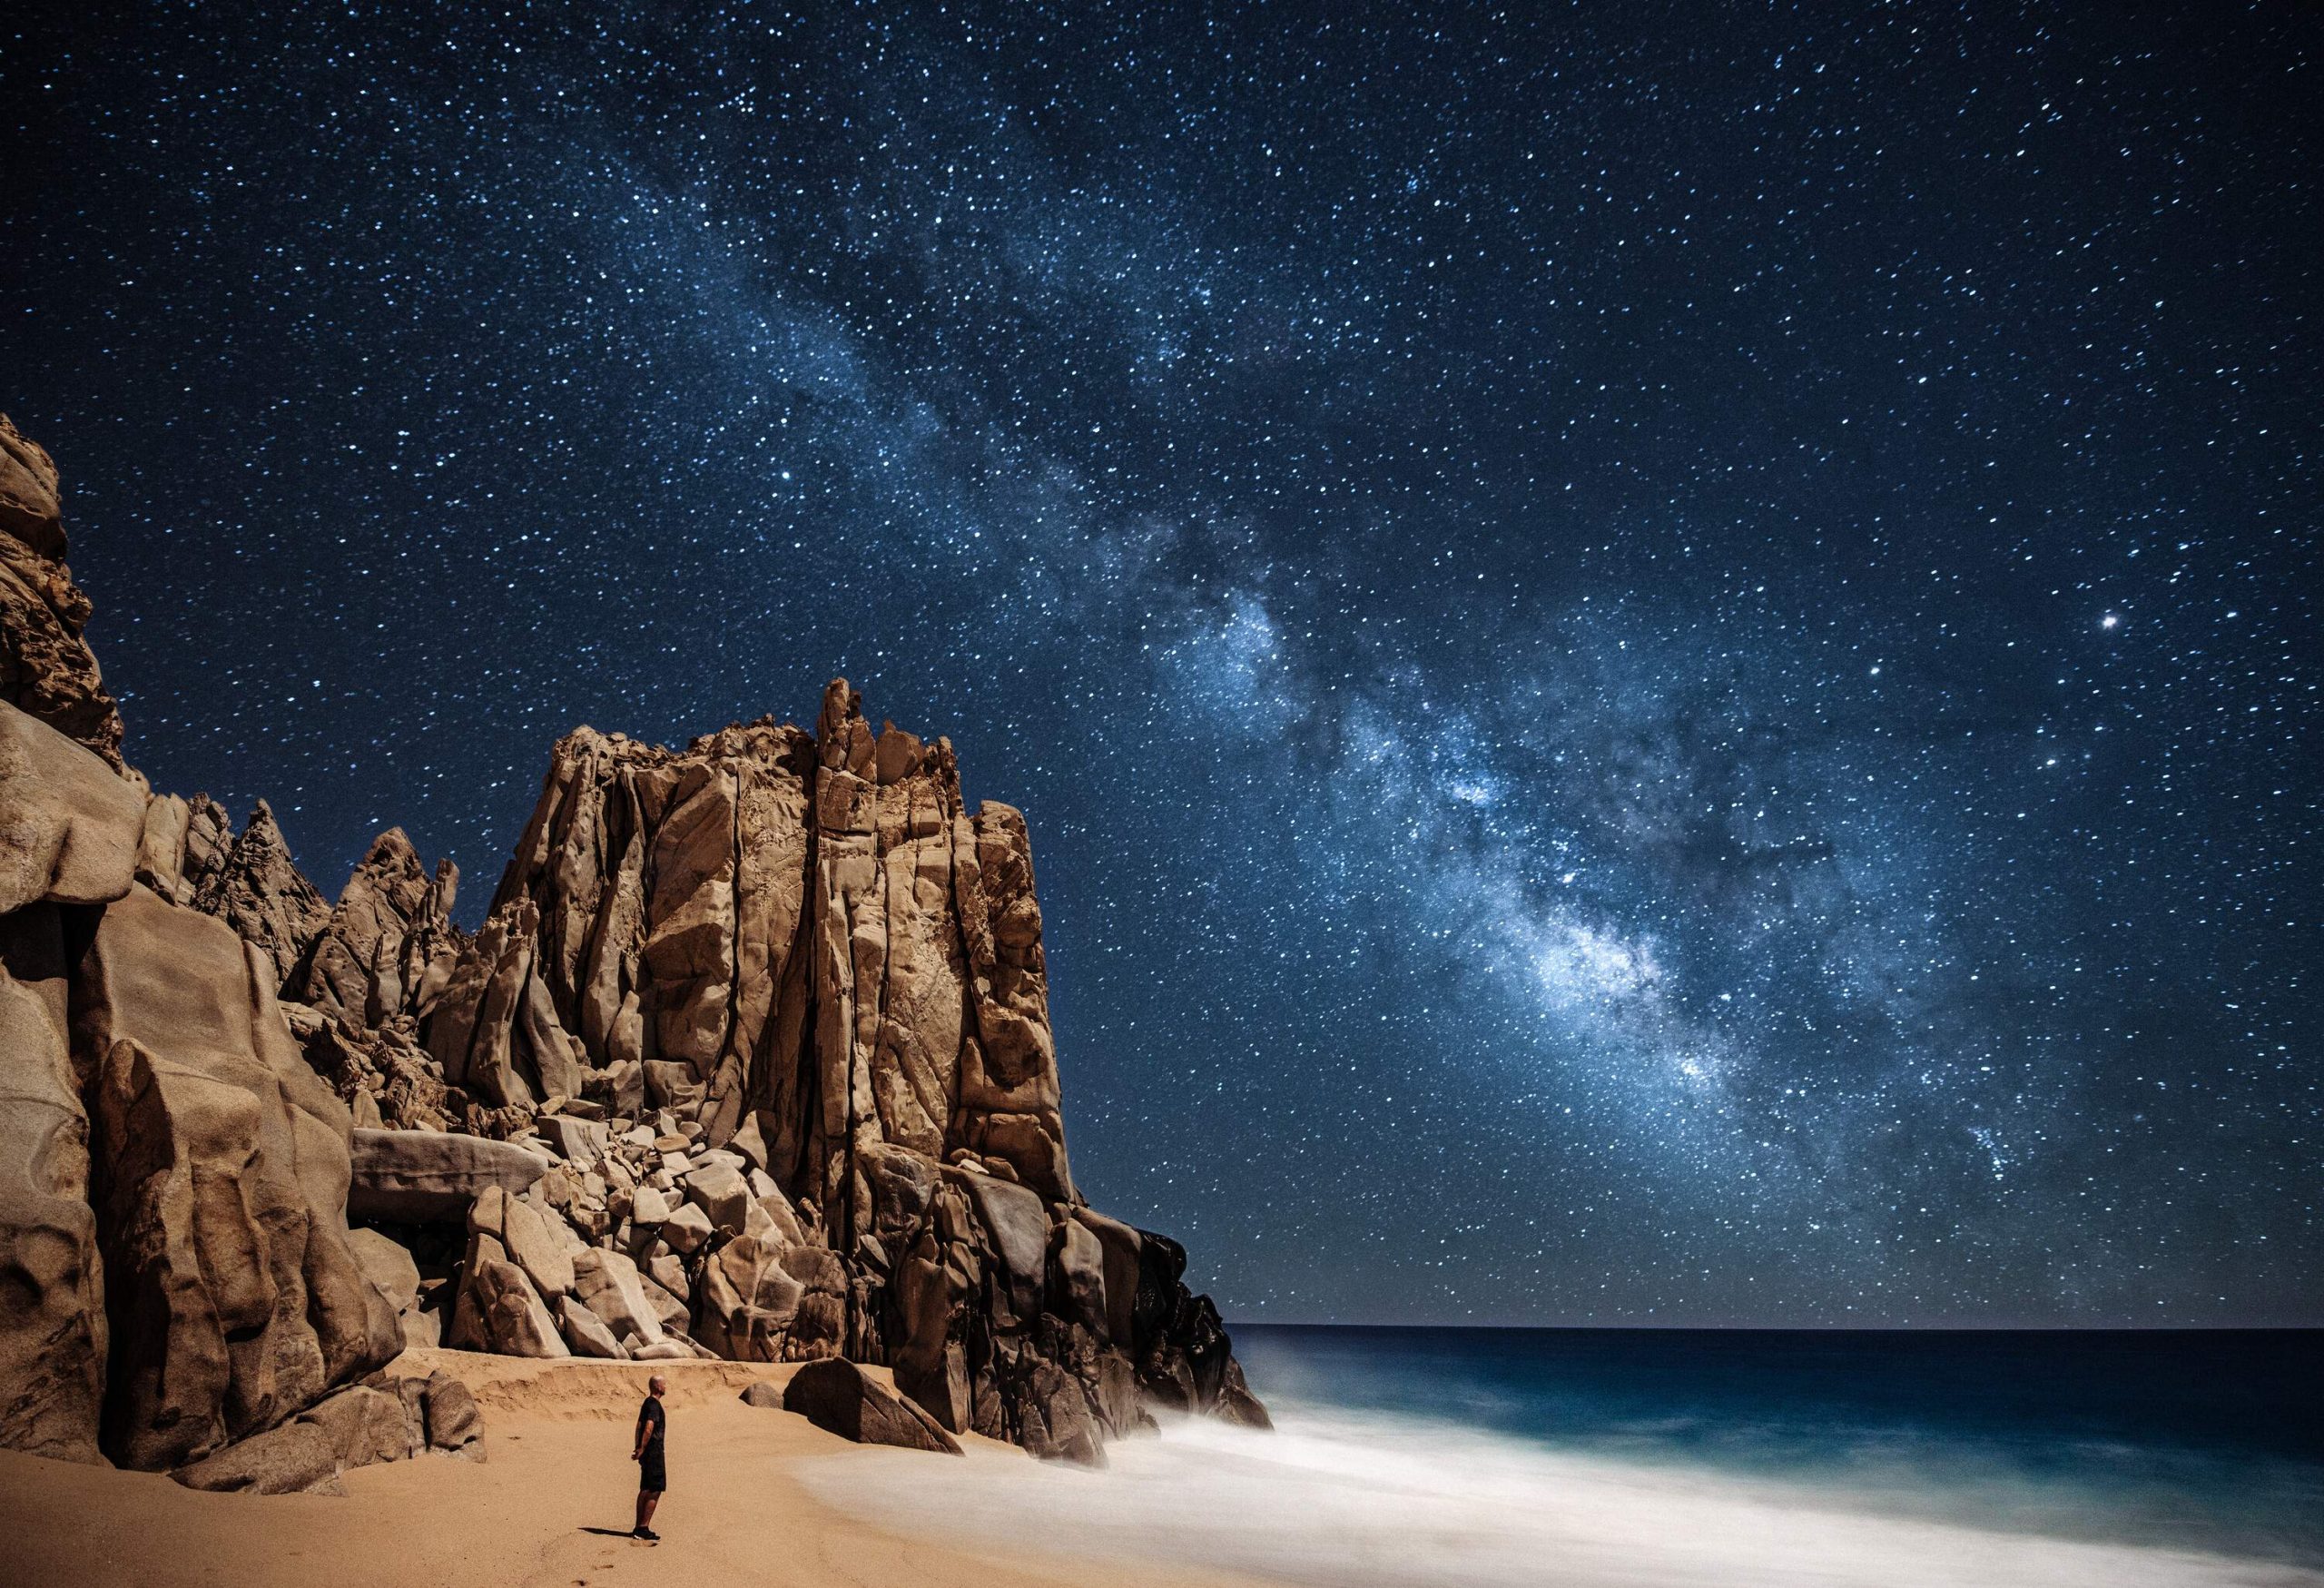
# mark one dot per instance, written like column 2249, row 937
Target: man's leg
column 647, row 1499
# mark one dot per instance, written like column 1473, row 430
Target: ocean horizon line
column 1236, row 1323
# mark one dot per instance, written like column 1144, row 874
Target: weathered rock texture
column 806, row 931
column 427, row 1176
column 384, row 1418
column 260, row 893
column 184, row 846
column 175, row 1272
column 69, row 828
column 841, row 1398
column 53, row 1335
column 234, row 1297
column 778, row 1004
column 387, row 947
column 46, row 669
column 751, row 1057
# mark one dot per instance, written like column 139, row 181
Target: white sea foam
column 1351, row 1500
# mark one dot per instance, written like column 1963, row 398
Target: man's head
column 656, row 1384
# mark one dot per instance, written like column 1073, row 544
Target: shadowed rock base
column 841, row 1398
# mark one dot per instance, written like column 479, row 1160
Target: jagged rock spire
column 805, row 931
column 259, row 891
column 46, row 669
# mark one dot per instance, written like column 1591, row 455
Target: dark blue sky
column 1659, row 656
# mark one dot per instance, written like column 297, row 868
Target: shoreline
column 1333, row 1499
column 761, row 1496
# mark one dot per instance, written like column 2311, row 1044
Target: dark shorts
column 650, row 1478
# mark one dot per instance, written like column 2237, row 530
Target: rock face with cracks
column 806, row 931
column 260, row 892
column 751, row 1057
column 233, row 1295
column 841, row 1398
column 174, row 1177
column 778, row 1000
column 388, row 946
column 176, row 1273
column 46, row 669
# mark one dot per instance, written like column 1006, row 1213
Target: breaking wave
column 1362, row 1499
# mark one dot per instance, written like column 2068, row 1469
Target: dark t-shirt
column 651, row 1413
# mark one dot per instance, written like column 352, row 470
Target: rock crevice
column 750, row 1058
column 777, row 1004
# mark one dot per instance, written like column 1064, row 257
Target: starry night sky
column 1664, row 660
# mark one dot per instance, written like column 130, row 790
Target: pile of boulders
column 639, row 1241
column 384, row 1418
column 1048, row 1324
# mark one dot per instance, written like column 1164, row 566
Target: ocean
column 1432, row 1458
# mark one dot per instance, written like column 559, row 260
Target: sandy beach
column 762, row 1497
column 556, row 1433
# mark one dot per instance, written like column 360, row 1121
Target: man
column 651, row 1420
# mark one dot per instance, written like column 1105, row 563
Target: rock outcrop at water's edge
column 751, row 1057
column 777, row 1003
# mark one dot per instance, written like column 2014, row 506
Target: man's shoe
column 647, row 1533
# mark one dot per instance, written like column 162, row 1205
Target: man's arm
column 644, row 1422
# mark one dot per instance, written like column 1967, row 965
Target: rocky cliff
column 176, row 1270
column 751, row 1057
column 820, row 977
column 46, row 670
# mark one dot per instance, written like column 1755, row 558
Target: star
column 1531, row 587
